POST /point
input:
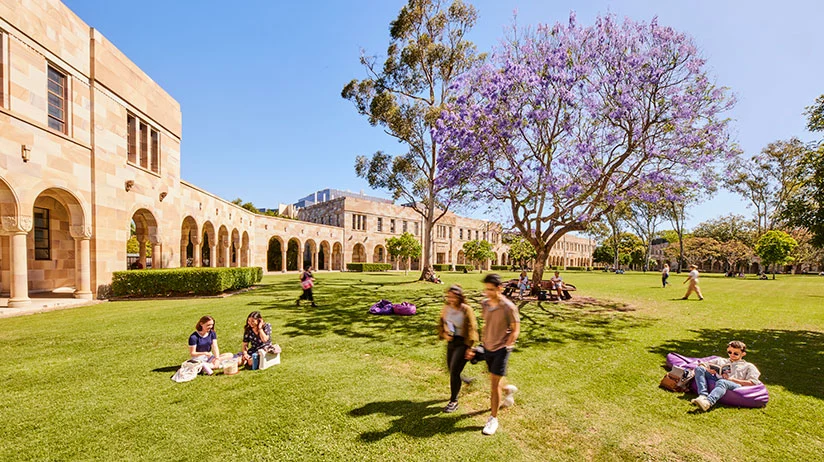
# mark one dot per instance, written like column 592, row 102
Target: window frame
column 47, row 239
column 64, row 86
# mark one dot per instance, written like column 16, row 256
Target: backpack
column 188, row 371
column 404, row 309
column 382, row 307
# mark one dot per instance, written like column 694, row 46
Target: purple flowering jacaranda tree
column 565, row 122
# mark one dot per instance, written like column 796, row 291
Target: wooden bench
column 512, row 285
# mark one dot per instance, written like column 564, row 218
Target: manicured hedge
column 442, row 267
column 464, row 267
column 500, row 267
column 183, row 281
column 368, row 267
column 578, row 268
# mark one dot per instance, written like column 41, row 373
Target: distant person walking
column 692, row 278
column 665, row 275
column 459, row 327
column 307, row 281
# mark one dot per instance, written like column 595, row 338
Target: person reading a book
column 730, row 374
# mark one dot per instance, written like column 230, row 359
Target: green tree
column 405, row 96
column 644, row 218
column 133, row 246
column 735, row 253
column 770, row 180
column 603, row 254
column 478, row 251
column 403, row 247
column 728, row 228
column 775, row 248
column 246, row 205
column 521, row 251
column 815, row 114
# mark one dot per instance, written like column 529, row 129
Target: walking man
column 500, row 331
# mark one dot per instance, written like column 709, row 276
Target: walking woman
column 459, row 327
column 692, row 278
column 665, row 275
column 307, row 282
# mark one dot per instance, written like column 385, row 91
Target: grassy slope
column 93, row 383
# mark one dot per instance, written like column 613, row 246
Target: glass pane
column 55, row 112
column 39, row 235
column 54, row 75
column 55, row 124
column 54, row 87
column 55, row 101
column 41, row 254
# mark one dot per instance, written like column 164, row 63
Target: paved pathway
column 40, row 303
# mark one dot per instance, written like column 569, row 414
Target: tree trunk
column 426, row 261
column 681, row 251
column 538, row 270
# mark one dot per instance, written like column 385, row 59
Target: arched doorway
column 222, row 257
column 274, row 255
column 292, row 255
column 309, row 255
column 143, row 247
column 337, row 257
column 208, row 247
column 324, row 255
column 358, row 254
column 189, row 243
column 461, row 257
column 234, row 249
column 379, row 256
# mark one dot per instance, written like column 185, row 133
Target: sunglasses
column 733, row 353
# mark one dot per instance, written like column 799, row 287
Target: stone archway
column 324, row 256
column 189, row 243
column 208, row 245
column 146, row 232
column 461, row 257
column 359, row 253
column 379, row 255
column 222, row 257
column 293, row 254
column 310, row 255
column 337, row 256
column 234, row 249
column 275, row 254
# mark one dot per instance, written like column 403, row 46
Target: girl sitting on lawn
column 203, row 344
column 257, row 335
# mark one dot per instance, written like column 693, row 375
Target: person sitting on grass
column 730, row 373
column 459, row 327
column 257, row 335
column 203, row 344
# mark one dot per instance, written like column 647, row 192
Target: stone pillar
column 157, row 256
column 213, row 255
column 283, row 261
column 225, row 250
column 19, row 270
column 315, row 261
column 198, row 251
column 82, row 268
column 141, row 246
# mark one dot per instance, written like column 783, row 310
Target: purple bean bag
column 382, row 307
column 752, row 396
column 404, row 309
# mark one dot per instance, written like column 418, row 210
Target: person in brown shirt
column 500, row 331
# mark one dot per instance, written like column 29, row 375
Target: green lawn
column 93, row 382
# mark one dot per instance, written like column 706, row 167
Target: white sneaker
column 491, row 426
column 509, row 401
column 510, row 390
column 702, row 402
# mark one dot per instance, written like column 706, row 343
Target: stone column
column 82, row 268
column 19, row 270
column 157, row 256
column 225, row 250
column 283, row 261
column 213, row 255
column 315, row 261
column 198, row 251
column 141, row 246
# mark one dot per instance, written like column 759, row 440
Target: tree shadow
column 790, row 358
column 416, row 419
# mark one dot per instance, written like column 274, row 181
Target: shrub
column 442, row 267
column 368, row 267
column 500, row 267
column 464, row 267
column 183, row 281
column 577, row 268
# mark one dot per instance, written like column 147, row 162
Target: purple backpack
column 404, row 309
column 382, row 307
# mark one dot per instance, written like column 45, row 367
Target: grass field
column 92, row 383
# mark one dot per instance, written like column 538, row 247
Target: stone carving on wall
column 80, row 231
column 10, row 224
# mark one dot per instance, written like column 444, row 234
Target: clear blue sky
column 259, row 81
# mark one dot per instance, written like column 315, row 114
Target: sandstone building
column 89, row 144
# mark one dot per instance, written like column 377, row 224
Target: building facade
column 89, row 144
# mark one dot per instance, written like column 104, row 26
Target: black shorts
column 496, row 361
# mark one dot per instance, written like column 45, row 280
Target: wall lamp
column 26, row 152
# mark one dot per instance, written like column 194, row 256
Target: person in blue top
column 257, row 335
column 203, row 344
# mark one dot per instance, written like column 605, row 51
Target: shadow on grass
column 343, row 310
column 790, row 358
column 417, row 419
column 167, row 368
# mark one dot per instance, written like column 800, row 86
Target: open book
column 721, row 371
